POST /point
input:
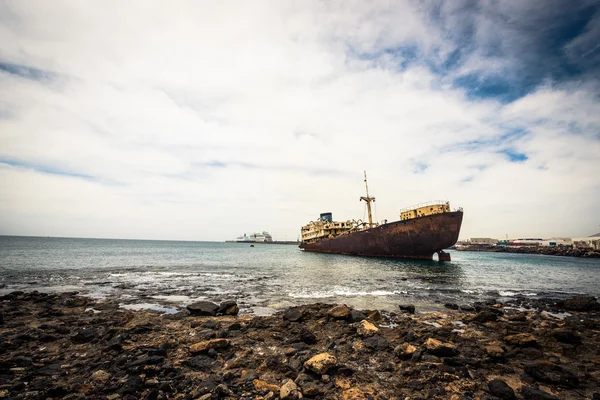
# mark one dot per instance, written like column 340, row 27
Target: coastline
column 62, row 345
column 547, row 251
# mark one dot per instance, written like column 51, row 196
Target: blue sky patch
column 46, row 169
column 27, row 72
column 514, row 156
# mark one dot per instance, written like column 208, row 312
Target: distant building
column 483, row 241
column 553, row 242
column 589, row 242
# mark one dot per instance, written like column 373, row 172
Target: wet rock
column 500, row 389
column 265, row 387
column 295, row 314
column 466, row 307
column 229, row 307
column 203, row 308
column 85, row 335
column 437, row 348
column 208, row 344
column 321, row 363
column 374, row 316
column 582, row 304
column 356, row 316
column 530, row 393
column 340, row 311
column 376, row 342
column 566, row 336
column 520, row 317
column 482, row 317
column 521, row 339
column 409, row 308
column 289, row 391
column 451, row 306
column 548, row 372
column 365, row 328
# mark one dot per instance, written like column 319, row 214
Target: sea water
column 167, row 275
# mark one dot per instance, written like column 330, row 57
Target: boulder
column 520, row 317
column 356, row 316
column 521, row 339
column 203, row 308
column 208, row 344
column 482, row 317
column 295, row 314
column 440, row 349
column 566, row 336
column 530, row 393
column 451, row 306
column 409, row 308
column 229, row 307
column 321, row 363
column 548, row 372
column 500, row 389
column 582, row 304
column 289, row 391
column 376, row 342
column 340, row 311
column 365, row 328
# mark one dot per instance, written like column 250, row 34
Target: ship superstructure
column 255, row 237
column 422, row 230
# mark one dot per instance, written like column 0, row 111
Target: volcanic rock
column 566, row 336
column 483, row 317
column 521, row 339
column 356, row 316
column 440, row 349
column 409, row 308
column 339, row 312
column 265, row 387
column 582, row 304
column 321, row 363
column 548, row 372
column 365, row 328
column 208, row 344
column 530, row 393
column 500, row 389
column 229, row 307
column 203, row 308
column 494, row 351
column 294, row 314
column 289, row 391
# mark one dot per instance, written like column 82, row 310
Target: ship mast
column 368, row 200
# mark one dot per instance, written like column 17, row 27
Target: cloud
column 201, row 122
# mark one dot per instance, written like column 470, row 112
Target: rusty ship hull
column 417, row 238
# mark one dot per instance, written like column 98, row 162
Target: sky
column 206, row 120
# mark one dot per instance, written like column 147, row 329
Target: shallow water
column 267, row 277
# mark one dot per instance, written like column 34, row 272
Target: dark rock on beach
column 318, row 351
column 203, row 308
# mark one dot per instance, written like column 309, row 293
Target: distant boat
column 422, row 230
column 263, row 237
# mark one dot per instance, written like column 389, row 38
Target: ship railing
column 427, row 203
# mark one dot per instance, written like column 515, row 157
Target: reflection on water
column 270, row 276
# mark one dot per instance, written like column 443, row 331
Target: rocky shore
column 548, row 251
column 64, row 346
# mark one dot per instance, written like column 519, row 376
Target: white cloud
column 197, row 122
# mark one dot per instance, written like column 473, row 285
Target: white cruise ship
column 255, row 237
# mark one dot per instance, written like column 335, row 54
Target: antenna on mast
column 368, row 200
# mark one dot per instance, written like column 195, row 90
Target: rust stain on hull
column 417, row 238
